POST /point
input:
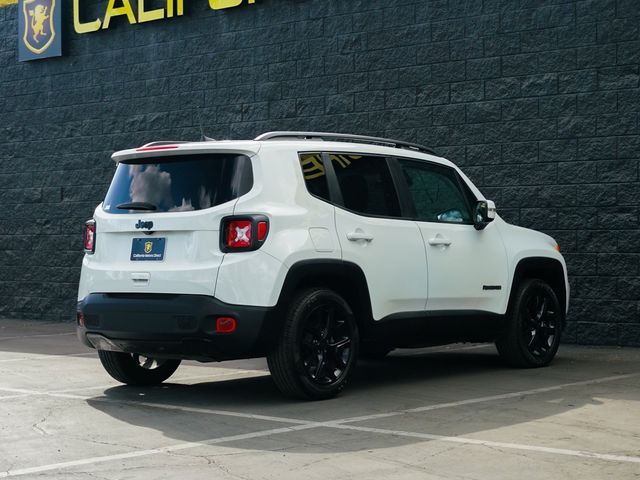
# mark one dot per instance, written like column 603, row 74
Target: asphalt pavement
column 452, row 412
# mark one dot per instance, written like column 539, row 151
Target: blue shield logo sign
column 39, row 29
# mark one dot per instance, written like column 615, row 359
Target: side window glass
column 436, row 193
column 366, row 184
column 314, row 175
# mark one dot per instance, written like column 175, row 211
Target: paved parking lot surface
column 448, row 412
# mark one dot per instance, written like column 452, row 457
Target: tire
column 134, row 369
column 532, row 336
column 318, row 346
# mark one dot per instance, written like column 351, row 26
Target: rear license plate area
column 147, row 249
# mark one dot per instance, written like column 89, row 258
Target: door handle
column 439, row 240
column 359, row 235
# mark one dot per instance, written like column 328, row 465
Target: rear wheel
column 136, row 369
column 532, row 336
column 318, row 346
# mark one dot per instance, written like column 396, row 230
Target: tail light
column 90, row 237
column 243, row 233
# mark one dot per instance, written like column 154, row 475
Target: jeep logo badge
column 147, row 225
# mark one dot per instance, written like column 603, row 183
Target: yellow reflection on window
column 312, row 166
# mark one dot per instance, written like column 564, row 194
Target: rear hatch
column 158, row 229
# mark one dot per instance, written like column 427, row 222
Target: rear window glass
column 178, row 183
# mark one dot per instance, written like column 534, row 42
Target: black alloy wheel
column 532, row 335
column 326, row 344
column 137, row 369
column 540, row 325
column 148, row 363
column 318, row 346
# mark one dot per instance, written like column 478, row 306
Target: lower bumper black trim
column 173, row 326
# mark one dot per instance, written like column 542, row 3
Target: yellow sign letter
column 221, row 4
column 83, row 27
column 112, row 11
column 179, row 5
column 149, row 16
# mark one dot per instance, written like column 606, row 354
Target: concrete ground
column 450, row 412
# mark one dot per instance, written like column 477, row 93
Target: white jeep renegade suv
column 310, row 249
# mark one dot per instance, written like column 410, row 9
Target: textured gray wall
column 537, row 100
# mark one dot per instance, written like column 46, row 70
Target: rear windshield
column 178, row 183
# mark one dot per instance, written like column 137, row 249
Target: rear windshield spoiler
column 248, row 148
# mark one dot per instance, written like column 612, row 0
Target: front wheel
column 136, row 369
column 318, row 346
column 532, row 336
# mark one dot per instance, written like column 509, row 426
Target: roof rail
column 344, row 137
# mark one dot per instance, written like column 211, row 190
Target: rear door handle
column 439, row 240
column 359, row 235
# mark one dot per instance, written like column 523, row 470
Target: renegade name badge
column 147, row 249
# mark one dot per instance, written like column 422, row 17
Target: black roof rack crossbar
column 345, row 137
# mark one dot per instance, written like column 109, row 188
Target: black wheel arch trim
column 547, row 269
column 345, row 278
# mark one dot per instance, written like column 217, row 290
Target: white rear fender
column 297, row 220
column 250, row 278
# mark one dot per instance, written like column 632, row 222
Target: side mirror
column 484, row 214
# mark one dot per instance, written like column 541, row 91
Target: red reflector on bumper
column 225, row 324
column 81, row 319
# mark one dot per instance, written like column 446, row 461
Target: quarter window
column 315, row 175
column 435, row 191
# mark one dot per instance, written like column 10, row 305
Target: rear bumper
column 173, row 326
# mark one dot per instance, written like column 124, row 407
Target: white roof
column 252, row 147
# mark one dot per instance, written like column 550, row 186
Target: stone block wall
column 537, row 100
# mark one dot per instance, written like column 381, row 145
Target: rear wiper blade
column 137, row 206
